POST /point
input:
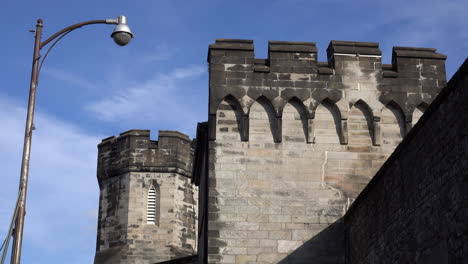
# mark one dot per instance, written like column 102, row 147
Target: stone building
column 276, row 174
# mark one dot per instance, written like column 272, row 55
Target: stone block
column 287, row 246
column 280, row 235
column 245, row 259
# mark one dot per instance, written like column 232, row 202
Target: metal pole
column 18, row 234
column 21, row 210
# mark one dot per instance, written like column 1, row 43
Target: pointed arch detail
column 361, row 124
column 291, row 112
column 340, row 124
column 399, row 114
column 394, row 125
column 418, row 111
column 238, row 123
column 274, row 121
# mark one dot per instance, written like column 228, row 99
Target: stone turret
column 147, row 205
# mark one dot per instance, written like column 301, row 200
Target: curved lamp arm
column 75, row 26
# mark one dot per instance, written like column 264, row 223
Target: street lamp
column 122, row 36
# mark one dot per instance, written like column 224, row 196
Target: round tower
column 147, row 203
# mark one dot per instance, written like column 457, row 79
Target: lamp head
column 122, row 33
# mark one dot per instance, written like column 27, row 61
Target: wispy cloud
column 62, row 185
column 68, row 77
column 420, row 22
column 435, row 24
column 162, row 98
column 162, row 52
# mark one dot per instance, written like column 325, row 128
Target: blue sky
column 91, row 89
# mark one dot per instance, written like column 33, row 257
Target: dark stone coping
column 132, row 132
column 292, row 46
column 422, row 53
column 323, row 64
column 136, row 132
column 261, row 68
column 291, row 42
column 354, row 43
column 233, row 44
column 389, row 74
column 335, row 46
column 173, row 133
column 387, row 66
column 414, row 48
column 460, row 76
column 235, row 40
column 107, row 139
column 261, row 61
column 145, row 133
column 325, row 70
column 353, row 47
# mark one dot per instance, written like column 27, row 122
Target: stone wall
column 294, row 141
column 415, row 208
column 127, row 168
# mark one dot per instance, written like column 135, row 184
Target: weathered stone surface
column 133, row 151
column 414, row 209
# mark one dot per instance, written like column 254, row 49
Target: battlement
column 239, row 51
column 134, row 151
column 353, row 72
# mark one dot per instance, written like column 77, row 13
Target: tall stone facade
column 147, row 204
column 293, row 141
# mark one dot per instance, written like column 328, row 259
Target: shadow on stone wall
column 327, row 247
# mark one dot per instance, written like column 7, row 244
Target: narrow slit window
column 152, row 215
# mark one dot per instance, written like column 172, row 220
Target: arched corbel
column 310, row 115
column 343, row 107
column 278, row 129
column 310, row 127
column 245, row 103
column 344, row 132
column 277, row 105
column 377, row 132
column 244, row 127
column 408, row 123
column 310, row 130
column 376, row 109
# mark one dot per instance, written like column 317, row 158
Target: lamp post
column 122, row 36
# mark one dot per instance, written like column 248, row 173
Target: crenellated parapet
column 414, row 78
column 134, row 151
column 352, row 73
